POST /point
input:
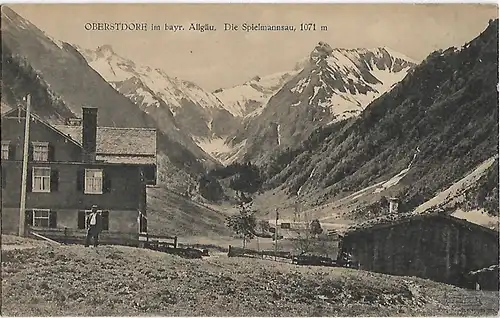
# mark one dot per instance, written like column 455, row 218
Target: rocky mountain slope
column 60, row 82
column 333, row 84
column 196, row 117
column 428, row 132
column 249, row 98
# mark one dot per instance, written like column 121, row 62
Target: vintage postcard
column 249, row 159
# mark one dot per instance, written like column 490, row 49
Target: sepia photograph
column 250, row 160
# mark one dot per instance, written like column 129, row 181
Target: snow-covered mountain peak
column 115, row 68
column 105, row 51
column 179, row 106
column 321, row 51
column 380, row 58
column 249, row 98
column 398, row 55
column 333, row 84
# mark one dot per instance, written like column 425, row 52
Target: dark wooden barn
column 433, row 246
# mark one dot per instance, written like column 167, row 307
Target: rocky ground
column 48, row 280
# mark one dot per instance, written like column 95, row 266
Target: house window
column 40, row 151
column 44, row 218
column 41, row 179
column 83, row 217
column 41, row 218
column 93, row 181
column 5, row 150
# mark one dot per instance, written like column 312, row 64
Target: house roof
column 129, row 159
column 396, row 219
column 114, row 145
column 492, row 268
column 14, row 112
column 120, row 142
column 4, row 108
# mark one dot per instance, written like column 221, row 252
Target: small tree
column 264, row 226
column 245, row 222
column 303, row 242
column 316, row 228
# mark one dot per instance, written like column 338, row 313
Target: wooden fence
column 72, row 236
column 162, row 243
column 238, row 251
column 311, row 260
column 157, row 241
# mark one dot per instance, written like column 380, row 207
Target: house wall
column 13, row 131
column 124, row 221
column 434, row 248
column 125, row 197
column 126, row 192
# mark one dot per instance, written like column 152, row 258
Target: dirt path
column 216, row 255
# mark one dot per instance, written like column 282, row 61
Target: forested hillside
column 443, row 118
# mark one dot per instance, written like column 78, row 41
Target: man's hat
column 94, row 206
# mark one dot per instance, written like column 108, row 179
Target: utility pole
column 22, row 209
column 276, row 235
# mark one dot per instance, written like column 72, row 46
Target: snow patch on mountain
column 345, row 104
column 333, row 84
column 249, row 98
column 114, row 68
column 214, row 146
column 456, row 190
column 195, row 115
column 301, row 85
column 352, row 79
column 399, row 55
column 146, row 97
column 278, row 133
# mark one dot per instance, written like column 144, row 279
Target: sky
column 222, row 59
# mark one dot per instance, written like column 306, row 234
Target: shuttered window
column 41, row 179
column 5, row 150
column 93, row 181
column 143, row 223
column 40, row 151
column 105, row 220
column 44, row 218
column 81, row 220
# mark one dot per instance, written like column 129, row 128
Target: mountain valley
column 343, row 125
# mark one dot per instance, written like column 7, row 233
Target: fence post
column 66, row 235
column 229, row 254
column 175, row 242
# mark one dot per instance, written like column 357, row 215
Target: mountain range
column 333, row 84
column 429, row 131
column 346, row 127
column 238, row 123
column 180, row 108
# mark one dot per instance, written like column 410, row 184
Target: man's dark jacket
column 98, row 222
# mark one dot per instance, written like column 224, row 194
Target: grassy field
column 172, row 214
column 121, row 281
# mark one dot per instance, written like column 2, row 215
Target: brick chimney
column 89, row 133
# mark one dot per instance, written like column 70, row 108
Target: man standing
column 93, row 226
